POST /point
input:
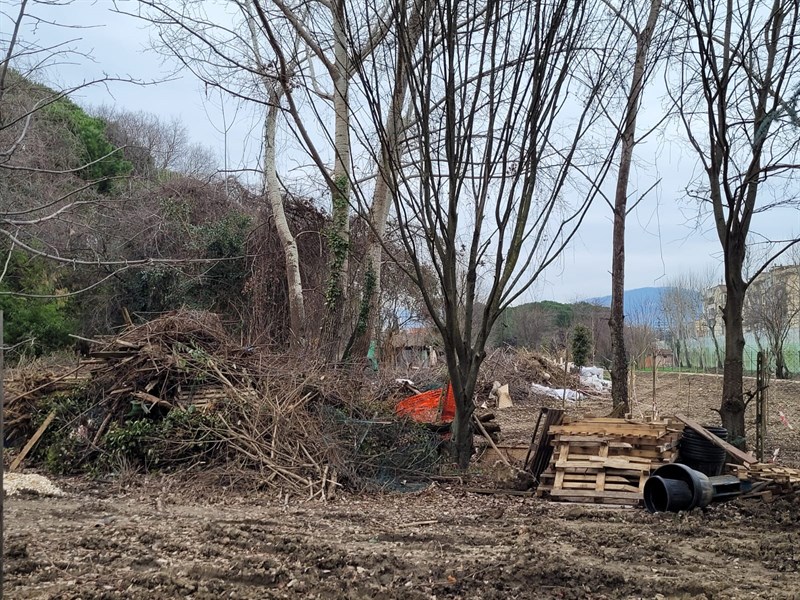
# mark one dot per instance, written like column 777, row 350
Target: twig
column 418, row 523
column 489, row 439
column 44, row 385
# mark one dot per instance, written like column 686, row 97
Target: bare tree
column 739, row 62
column 640, row 20
column 711, row 319
column 681, row 307
column 641, row 337
column 772, row 307
column 156, row 147
column 297, row 60
column 487, row 177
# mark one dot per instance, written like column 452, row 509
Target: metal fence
column 702, row 359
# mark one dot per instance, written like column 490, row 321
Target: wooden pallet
column 766, row 472
column 606, row 460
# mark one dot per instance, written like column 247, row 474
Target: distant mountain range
column 641, row 304
column 639, row 296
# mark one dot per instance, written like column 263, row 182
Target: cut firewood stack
column 606, row 460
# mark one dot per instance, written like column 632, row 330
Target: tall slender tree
column 640, row 21
column 740, row 63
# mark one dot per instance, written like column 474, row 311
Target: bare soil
column 165, row 538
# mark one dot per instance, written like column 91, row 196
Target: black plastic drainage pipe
column 676, row 487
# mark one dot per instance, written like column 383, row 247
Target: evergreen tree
column 581, row 345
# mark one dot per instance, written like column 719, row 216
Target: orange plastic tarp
column 424, row 407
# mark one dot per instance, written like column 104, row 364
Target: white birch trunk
column 297, row 311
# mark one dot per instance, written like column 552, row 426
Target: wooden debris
column 483, row 431
column 606, row 460
column 264, row 427
column 742, row 457
column 770, row 480
column 504, row 397
column 540, row 445
column 498, row 492
column 32, row 442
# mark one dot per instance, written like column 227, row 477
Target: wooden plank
column 578, row 441
column 642, row 480
column 634, row 452
column 586, row 439
column 744, row 457
column 577, row 477
column 595, row 458
column 606, row 430
column 596, row 494
column 614, row 421
column 599, row 501
column 601, row 477
column 563, row 454
column 611, row 487
column 609, row 463
column 635, row 473
column 32, row 442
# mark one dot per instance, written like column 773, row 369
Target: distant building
column 416, row 347
column 714, row 299
column 781, row 284
column 663, row 356
column 780, row 281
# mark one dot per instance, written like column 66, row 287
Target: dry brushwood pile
column 179, row 392
column 27, row 387
column 519, row 367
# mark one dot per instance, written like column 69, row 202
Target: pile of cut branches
column 519, row 367
column 27, row 386
column 179, row 393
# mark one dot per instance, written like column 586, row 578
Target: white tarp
column 592, row 372
column 559, row 394
column 592, row 377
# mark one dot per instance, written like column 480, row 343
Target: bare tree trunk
column 732, row 409
column 463, row 371
column 368, row 317
column 781, row 372
column 619, row 365
column 297, row 311
column 369, row 307
column 619, row 355
column 716, row 347
column 339, row 233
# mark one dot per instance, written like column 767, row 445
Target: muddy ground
column 169, row 538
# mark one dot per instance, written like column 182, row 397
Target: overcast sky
column 663, row 238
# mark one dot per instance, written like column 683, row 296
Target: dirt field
column 159, row 538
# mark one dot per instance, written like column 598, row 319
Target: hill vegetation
column 548, row 325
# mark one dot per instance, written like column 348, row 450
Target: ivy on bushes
column 36, row 325
column 96, row 150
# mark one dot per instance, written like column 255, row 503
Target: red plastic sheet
column 424, row 407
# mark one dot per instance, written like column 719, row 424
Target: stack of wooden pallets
column 768, row 479
column 606, row 460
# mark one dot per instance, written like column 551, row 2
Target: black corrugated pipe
column 676, row 487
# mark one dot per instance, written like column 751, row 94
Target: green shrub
column 90, row 133
column 38, row 325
